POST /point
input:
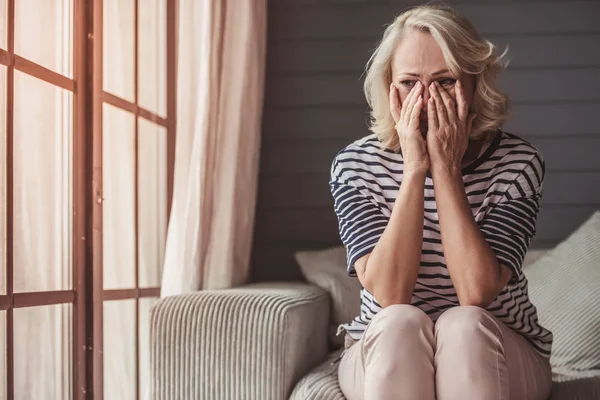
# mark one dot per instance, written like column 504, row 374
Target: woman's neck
column 475, row 149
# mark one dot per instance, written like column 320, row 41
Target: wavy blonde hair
column 464, row 51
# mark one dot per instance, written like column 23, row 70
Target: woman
column 437, row 209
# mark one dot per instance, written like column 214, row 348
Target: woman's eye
column 408, row 84
column 447, row 81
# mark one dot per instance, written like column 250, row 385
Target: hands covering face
column 448, row 127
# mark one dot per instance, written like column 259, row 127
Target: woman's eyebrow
column 442, row 71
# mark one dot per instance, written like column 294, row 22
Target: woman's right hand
column 406, row 116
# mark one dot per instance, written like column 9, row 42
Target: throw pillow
column 533, row 255
column 327, row 270
column 564, row 286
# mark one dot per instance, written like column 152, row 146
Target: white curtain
column 221, row 62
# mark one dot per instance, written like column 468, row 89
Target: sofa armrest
column 250, row 342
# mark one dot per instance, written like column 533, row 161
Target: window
column 87, row 125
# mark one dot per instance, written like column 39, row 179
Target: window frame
column 87, row 295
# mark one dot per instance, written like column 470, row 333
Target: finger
column 415, row 113
column 410, row 101
column 448, row 103
column 470, row 123
column 406, row 104
column 395, row 107
column 440, row 108
column 432, row 115
column 462, row 106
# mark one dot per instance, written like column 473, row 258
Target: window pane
column 42, row 363
column 118, row 169
column 144, row 342
column 2, row 355
column 42, row 185
column 3, row 25
column 119, row 349
column 118, row 40
column 152, row 201
column 3, row 171
column 44, row 33
column 152, row 36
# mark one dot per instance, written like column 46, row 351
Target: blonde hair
column 464, row 51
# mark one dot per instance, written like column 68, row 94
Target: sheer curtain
column 221, row 62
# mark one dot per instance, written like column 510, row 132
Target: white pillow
column 327, row 270
column 533, row 255
column 564, row 285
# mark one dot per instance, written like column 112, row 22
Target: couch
column 272, row 341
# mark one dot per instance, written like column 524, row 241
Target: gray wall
column 314, row 106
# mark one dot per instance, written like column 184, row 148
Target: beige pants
column 468, row 354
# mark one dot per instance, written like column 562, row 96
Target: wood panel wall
column 314, row 106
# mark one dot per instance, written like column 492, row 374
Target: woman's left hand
column 449, row 126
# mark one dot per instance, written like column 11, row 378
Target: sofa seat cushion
column 321, row 383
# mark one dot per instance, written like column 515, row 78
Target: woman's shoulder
column 513, row 144
column 368, row 142
column 519, row 158
column 365, row 156
column 513, row 150
column 367, row 149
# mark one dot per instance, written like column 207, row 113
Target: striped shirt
column 504, row 187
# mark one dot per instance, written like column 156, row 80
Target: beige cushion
column 327, row 270
column 564, row 285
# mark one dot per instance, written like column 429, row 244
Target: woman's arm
column 390, row 271
column 474, row 269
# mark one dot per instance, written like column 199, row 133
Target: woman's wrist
column 414, row 173
column 445, row 171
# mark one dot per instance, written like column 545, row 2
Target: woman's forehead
column 418, row 52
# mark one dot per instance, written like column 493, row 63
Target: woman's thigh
column 530, row 374
column 351, row 373
column 478, row 354
column 394, row 355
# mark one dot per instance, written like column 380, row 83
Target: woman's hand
column 406, row 117
column 449, row 128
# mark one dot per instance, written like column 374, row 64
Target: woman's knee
column 400, row 319
column 465, row 323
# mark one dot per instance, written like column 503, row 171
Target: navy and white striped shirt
column 504, row 187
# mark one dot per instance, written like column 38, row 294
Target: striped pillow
column 564, row 285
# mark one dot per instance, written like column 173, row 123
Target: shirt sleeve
column 361, row 221
column 510, row 224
